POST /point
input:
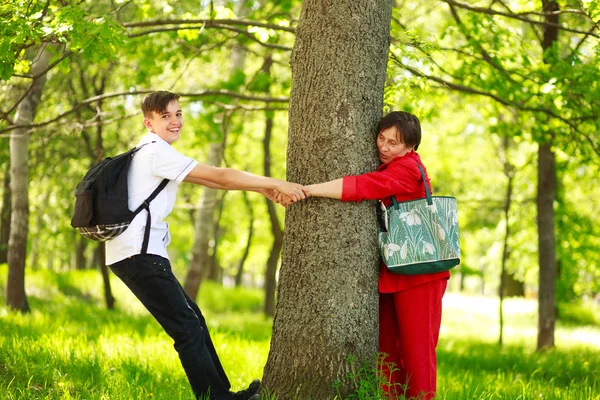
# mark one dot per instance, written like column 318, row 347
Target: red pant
column 409, row 327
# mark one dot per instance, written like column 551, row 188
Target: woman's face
column 389, row 145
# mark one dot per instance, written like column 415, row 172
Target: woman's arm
column 331, row 189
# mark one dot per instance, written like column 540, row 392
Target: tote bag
column 419, row 236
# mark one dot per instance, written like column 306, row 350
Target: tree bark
column 545, row 207
column 19, row 186
column 327, row 295
column 5, row 217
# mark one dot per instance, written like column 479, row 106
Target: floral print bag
column 419, row 236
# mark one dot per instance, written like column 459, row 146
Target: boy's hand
column 294, row 191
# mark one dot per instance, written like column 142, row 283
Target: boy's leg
column 207, row 340
column 419, row 314
column 151, row 280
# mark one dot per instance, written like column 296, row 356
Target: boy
column 146, row 270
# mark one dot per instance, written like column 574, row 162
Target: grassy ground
column 70, row 347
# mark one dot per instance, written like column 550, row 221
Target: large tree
column 327, row 294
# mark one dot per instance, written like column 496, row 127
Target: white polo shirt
column 150, row 165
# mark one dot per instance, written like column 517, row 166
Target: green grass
column 71, row 347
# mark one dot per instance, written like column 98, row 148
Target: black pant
column 151, row 280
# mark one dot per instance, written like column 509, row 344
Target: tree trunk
column 79, row 248
column 509, row 172
column 108, row 296
column 240, row 271
column 215, row 271
column 19, row 184
column 203, row 228
column 5, row 217
column 327, row 297
column 276, row 230
column 545, row 207
column 546, row 249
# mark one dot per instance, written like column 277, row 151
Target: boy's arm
column 233, row 179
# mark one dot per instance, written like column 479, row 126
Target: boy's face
column 166, row 124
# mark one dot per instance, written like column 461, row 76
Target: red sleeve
column 398, row 179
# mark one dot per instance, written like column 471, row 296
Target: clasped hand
column 287, row 193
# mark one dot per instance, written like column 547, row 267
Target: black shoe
column 249, row 394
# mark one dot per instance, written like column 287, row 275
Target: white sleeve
column 170, row 164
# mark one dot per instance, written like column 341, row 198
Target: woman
column 410, row 306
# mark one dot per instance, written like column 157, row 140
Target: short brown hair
column 157, row 102
column 408, row 126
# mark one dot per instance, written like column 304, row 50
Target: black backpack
column 101, row 210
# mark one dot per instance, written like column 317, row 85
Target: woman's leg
column 389, row 362
column 419, row 315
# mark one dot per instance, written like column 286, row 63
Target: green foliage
column 579, row 313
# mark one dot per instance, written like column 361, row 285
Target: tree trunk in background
column 108, row 296
column 546, row 248
column 276, row 229
column 512, row 286
column 19, row 185
column 79, row 249
column 214, row 271
column 203, row 228
column 240, row 270
column 545, row 207
column 327, row 302
column 509, row 172
column 200, row 265
column 5, row 217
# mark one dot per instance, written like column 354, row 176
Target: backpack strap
column 146, row 206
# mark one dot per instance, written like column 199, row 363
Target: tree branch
column 208, row 23
column 94, row 99
column 519, row 17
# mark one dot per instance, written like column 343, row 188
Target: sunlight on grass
column 71, row 347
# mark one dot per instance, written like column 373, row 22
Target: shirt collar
column 149, row 138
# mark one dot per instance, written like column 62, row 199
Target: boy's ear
column 147, row 123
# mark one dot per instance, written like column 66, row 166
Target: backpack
column 101, row 209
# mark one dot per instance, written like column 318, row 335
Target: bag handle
column 427, row 191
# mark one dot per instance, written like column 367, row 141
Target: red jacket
column 401, row 178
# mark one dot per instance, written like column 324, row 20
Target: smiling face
column 166, row 123
column 389, row 145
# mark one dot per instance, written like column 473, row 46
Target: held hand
column 283, row 199
column 270, row 194
column 294, row 191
